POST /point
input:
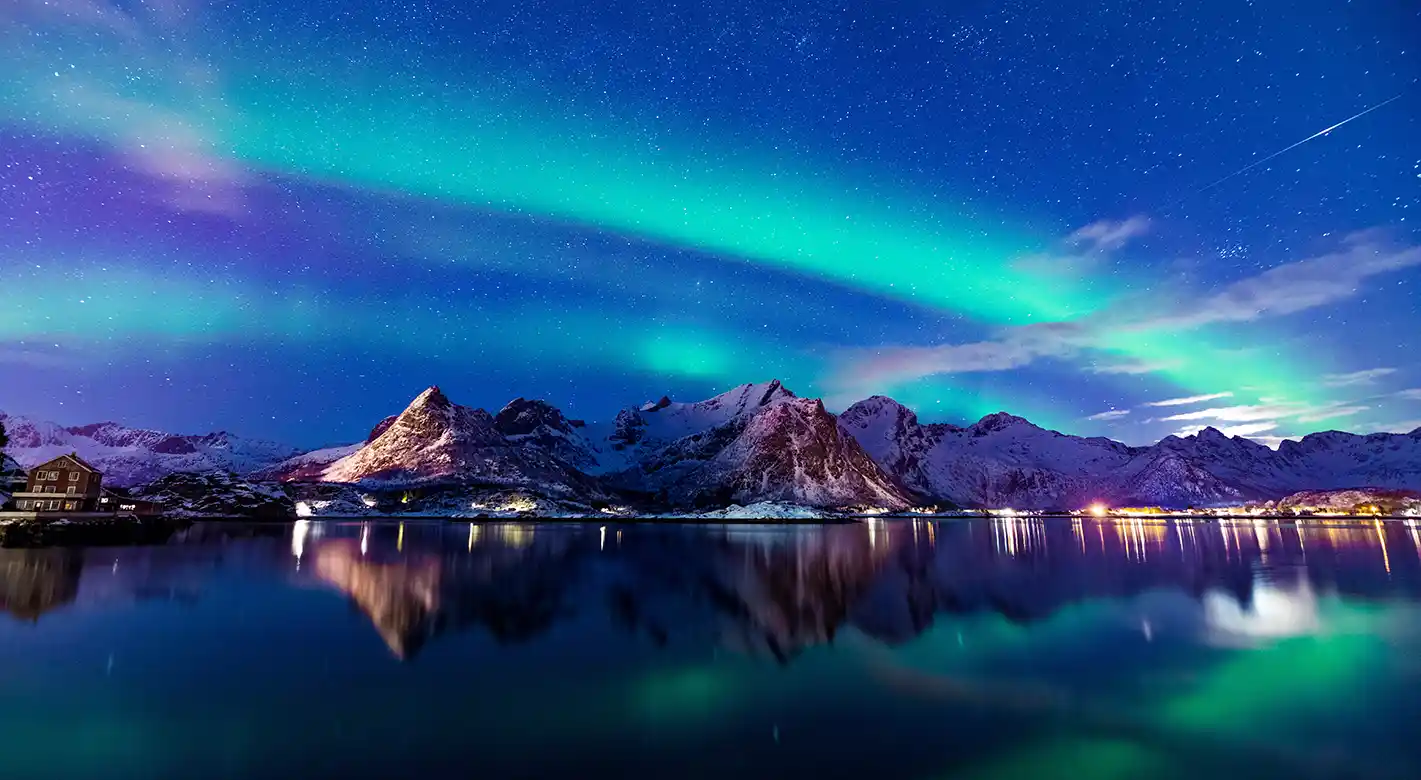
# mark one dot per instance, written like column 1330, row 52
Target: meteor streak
column 1257, row 163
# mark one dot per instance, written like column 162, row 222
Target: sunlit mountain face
column 274, row 219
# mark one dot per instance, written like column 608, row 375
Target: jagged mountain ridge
column 762, row 446
column 1006, row 461
column 435, row 441
column 758, row 442
column 134, row 456
column 753, row 443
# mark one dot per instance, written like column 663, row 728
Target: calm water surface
column 896, row 649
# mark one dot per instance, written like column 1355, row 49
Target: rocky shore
column 88, row 532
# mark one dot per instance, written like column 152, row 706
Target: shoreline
column 111, row 531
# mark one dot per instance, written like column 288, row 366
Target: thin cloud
column 1085, row 249
column 1193, row 399
column 1286, row 289
column 1108, row 235
column 1405, row 426
column 1134, row 367
column 1293, row 287
column 1113, row 414
column 1249, row 429
column 1236, row 414
column 1272, row 442
column 1356, row 377
column 1331, row 412
column 1413, row 394
column 30, row 357
column 1257, row 413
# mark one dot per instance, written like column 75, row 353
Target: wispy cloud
column 1236, row 414
column 1293, row 287
column 1086, row 248
column 172, row 128
column 1356, row 377
column 1108, row 235
column 1331, row 412
column 24, row 356
column 1133, row 367
column 1113, row 414
column 1271, row 413
column 1404, row 426
column 1248, row 429
column 1193, row 399
column 1413, row 394
column 1273, row 441
column 1286, row 289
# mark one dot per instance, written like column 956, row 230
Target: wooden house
column 63, row 484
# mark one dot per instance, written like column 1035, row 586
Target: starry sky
column 288, row 218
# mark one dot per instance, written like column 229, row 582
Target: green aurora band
column 488, row 154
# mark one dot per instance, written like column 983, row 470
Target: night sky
column 286, row 218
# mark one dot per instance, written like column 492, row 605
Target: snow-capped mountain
column 438, row 442
column 999, row 461
column 754, row 443
column 1005, row 461
column 135, row 456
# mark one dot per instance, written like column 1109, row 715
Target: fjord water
column 891, row 649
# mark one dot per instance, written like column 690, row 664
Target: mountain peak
column 522, row 416
column 651, row 406
column 881, row 408
column 432, row 396
column 999, row 421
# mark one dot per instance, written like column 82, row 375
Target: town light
column 1098, row 509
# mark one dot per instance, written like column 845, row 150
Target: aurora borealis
column 287, row 218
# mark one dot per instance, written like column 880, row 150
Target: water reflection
column 1009, row 646
column 777, row 590
column 33, row 582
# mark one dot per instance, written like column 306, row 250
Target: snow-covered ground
column 135, row 456
column 762, row 510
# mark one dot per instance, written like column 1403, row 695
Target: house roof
column 9, row 465
column 73, row 456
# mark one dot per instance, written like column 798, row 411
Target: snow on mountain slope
column 756, row 442
column 763, row 444
column 1385, row 501
column 540, row 424
column 134, row 456
column 1005, row 461
column 660, row 422
column 435, row 441
column 308, row 466
column 1000, row 461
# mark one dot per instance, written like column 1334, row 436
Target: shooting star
column 1257, row 163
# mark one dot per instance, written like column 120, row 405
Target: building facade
column 63, row 484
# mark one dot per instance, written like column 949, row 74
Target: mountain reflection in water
column 1128, row 647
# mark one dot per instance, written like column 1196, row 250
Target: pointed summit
column 1210, row 433
column 431, row 397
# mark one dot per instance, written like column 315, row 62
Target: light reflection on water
column 1002, row 647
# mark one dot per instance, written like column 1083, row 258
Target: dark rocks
column 218, row 495
column 88, row 532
